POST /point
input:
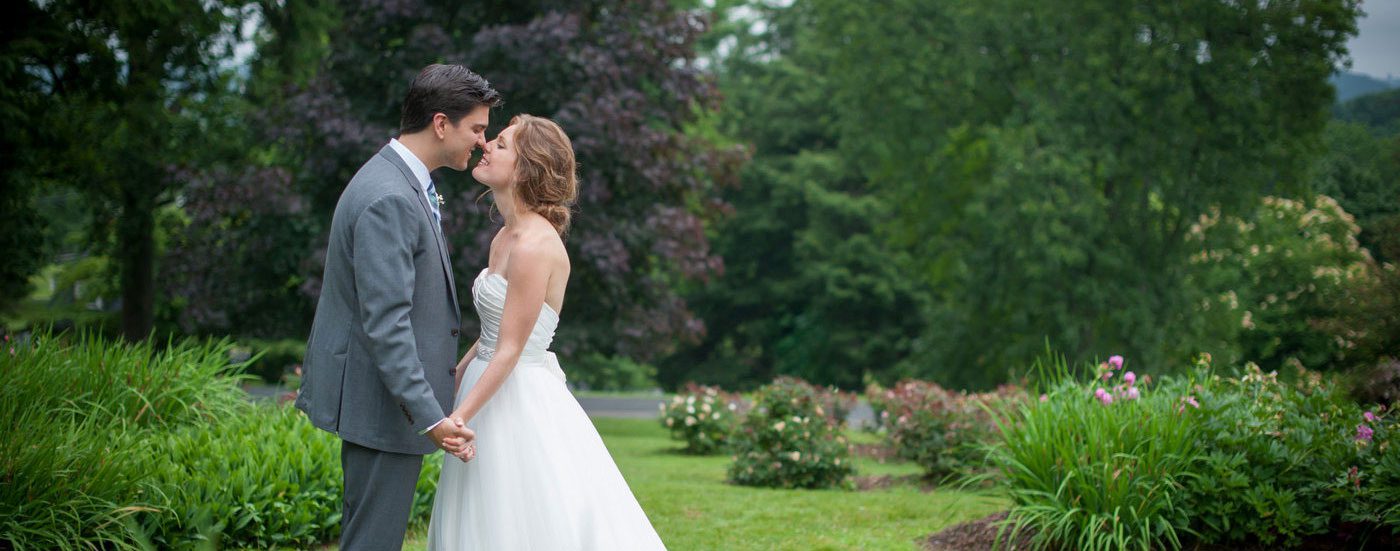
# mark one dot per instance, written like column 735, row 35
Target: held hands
column 453, row 436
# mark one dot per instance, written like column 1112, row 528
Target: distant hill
column 1350, row 85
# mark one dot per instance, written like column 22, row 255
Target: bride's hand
column 469, row 451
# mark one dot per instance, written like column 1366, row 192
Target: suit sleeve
column 385, row 235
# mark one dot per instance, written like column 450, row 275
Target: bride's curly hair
column 545, row 179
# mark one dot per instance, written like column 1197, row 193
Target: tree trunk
column 136, row 253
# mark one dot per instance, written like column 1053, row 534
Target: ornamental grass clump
column 789, row 440
column 75, row 413
column 1097, row 462
column 702, row 417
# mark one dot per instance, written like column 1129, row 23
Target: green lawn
column 692, row 507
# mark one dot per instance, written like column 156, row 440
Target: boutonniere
column 440, row 200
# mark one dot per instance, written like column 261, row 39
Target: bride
column 541, row 477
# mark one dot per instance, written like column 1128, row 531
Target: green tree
column 1047, row 157
column 121, row 96
column 808, row 288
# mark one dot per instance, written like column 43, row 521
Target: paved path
column 635, row 407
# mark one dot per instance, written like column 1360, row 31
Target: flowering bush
column 941, row 431
column 702, row 417
column 789, row 440
column 1283, row 461
column 1119, row 461
column 1281, row 283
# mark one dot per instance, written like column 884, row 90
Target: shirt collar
column 414, row 164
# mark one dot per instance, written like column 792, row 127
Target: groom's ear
column 440, row 124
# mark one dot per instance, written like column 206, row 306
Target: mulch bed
column 980, row 534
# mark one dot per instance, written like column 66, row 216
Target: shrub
column 1379, row 384
column 272, row 361
column 600, row 372
column 1091, row 468
column 702, row 417
column 789, row 441
column 1239, row 461
column 74, row 412
column 941, row 431
column 1287, row 461
column 1282, row 283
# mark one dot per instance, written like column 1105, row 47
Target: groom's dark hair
column 452, row 90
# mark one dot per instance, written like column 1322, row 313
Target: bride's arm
column 462, row 367
column 528, row 278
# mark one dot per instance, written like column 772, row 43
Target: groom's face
column 460, row 139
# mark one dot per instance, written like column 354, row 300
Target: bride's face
column 497, row 165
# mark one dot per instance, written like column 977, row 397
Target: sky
column 1375, row 50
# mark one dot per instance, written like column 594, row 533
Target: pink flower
column 1129, row 378
column 1192, row 400
column 1364, row 433
column 1369, row 417
column 1044, row 398
column 1116, row 362
column 1132, row 393
column 1107, row 375
column 1103, row 396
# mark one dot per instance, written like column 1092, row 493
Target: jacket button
column 452, row 371
column 455, row 332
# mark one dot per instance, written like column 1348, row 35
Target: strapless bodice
column 489, row 296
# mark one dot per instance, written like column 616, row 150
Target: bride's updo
column 544, row 169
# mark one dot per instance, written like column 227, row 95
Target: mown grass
column 692, row 507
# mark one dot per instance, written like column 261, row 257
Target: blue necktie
column 433, row 202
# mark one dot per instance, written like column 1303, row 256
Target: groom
column 379, row 364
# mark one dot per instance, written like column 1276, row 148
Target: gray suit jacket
column 378, row 367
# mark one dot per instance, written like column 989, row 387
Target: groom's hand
column 452, row 436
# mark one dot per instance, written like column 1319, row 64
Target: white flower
column 689, row 420
column 670, row 422
column 733, row 406
column 705, row 407
column 690, row 399
column 661, row 407
column 795, row 456
column 779, row 426
column 715, row 415
column 690, row 409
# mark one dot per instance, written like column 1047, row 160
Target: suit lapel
column 412, row 181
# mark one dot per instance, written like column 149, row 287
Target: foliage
column 73, row 416
column 1279, row 283
column 262, row 478
column 787, row 441
column 1379, row 111
column 801, row 256
column 272, row 361
column 112, row 99
column 944, row 432
column 599, row 372
column 1286, row 461
column 1246, row 460
column 703, row 417
column 1087, row 468
column 1362, row 172
column 1043, row 166
column 1378, row 384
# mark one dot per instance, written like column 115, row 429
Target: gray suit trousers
column 378, row 497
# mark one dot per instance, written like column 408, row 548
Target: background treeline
column 842, row 192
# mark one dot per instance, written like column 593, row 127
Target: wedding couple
column 381, row 370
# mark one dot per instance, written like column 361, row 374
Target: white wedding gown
column 541, row 479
